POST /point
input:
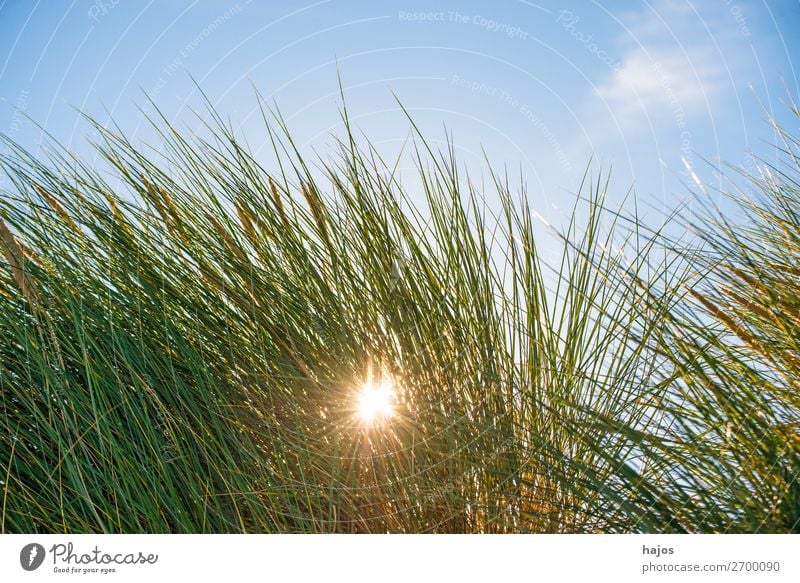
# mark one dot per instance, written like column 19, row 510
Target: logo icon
column 31, row 556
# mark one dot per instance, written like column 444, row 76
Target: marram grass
column 185, row 351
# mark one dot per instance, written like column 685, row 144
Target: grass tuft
column 185, row 351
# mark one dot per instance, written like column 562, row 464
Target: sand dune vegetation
column 194, row 343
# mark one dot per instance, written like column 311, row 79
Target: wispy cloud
column 672, row 61
column 654, row 82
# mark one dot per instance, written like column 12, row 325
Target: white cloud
column 657, row 82
column 675, row 60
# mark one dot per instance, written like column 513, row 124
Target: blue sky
column 655, row 89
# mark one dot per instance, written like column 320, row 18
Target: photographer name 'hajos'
column 657, row 551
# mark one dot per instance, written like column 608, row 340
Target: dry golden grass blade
column 278, row 200
column 226, row 238
column 15, row 257
column 751, row 305
column 58, row 208
column 729, row 321
column 245, row 216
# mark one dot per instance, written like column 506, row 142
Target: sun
column 375, row 401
